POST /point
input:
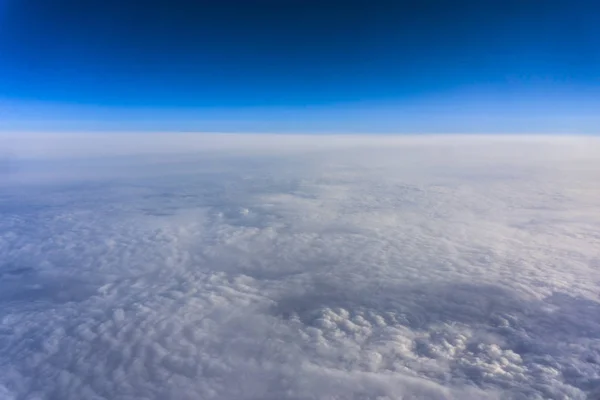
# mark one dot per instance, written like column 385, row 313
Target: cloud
column 407, row 268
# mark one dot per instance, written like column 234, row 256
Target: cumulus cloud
column 374, row 268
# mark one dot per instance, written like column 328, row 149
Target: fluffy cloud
column 383, row 268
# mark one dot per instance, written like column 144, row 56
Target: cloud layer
column 378, row 268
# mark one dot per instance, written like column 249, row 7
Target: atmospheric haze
column 299, row 267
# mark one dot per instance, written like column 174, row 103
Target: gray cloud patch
column 397, row 270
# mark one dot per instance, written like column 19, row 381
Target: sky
column 300, row 66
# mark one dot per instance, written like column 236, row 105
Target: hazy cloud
column 373, row 268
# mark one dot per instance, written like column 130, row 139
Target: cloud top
column 373, row 268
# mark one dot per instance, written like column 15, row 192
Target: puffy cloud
column 411, row 268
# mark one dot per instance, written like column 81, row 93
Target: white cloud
column 378, row 267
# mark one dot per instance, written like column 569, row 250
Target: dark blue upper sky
column 395, row 66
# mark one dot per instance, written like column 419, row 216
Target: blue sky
column 300, row 66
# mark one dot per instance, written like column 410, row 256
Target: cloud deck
column 403, row 269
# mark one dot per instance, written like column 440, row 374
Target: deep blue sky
column 300, row 66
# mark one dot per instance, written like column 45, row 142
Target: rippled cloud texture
column 266, row 267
